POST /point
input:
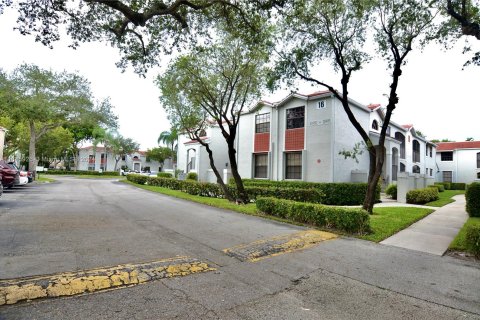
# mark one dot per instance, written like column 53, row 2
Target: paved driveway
column 79, row 224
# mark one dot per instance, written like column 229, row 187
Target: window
column 416, row 151
column 401, row 138
column 431, row 172
column 447, row 156
column 426, row 171
column 394, row 164
column 478, row 175
column 102, row 161
column 402, row 167
column 478, row 160
column 447, row 176
column 431, row 151
column 387, row 133
column 262, row 123
column 123, row 158
column 91, row 162
column 375, row 125
column 293, row 165
column 296, row 117
column 416, row 169
column 261, row 165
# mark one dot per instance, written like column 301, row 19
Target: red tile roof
column 373, row 106
column 195, row 141
column 407, row 126
column 450, row 146
column 316, row 93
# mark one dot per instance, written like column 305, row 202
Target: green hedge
column 206, row 189
column 472, row 238
column 164, row 175
column 392, row 191
column 422, row 196
column 472, row 196
column 137, row 178
column 440, row 187
column 347, row 219
column 192, row 176
column 341, row 194
column 457, row 186
column 446, row 185
column 80, row 172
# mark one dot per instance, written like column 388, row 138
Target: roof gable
column 451, row 146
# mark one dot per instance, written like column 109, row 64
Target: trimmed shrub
column 457, row 186
column 446, row 185
column 334, row 193
column 137, row 178
column 347, row 219
column 472, row 239
column 164, row 175
column 192, row 176
column 82, row 172
column 440, row 187
column 422, row 196
column 472, row 196
column 303, row 195
column 392, row 191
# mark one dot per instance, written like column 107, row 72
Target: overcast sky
column 436, row 95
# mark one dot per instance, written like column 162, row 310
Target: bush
column 457, row 186
column 422, row 196
column 392, row 191
column 334, row 193
column 164, row 175
column 440, row 187
column 192, row 176
column 346, row 219
column 137, row 178
column 472, row 238
column 472, row 196
column 446, row 185
column 303, row 195
column 80, row 172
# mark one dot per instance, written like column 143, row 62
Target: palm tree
column 169, row 138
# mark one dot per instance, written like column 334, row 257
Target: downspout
column 332, row 138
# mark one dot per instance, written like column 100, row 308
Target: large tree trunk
column 377, row 158
column 75, row 158
column 226, row 192
column 32, row 160
column 241, row 193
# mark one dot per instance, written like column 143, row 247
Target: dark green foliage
column 473, row 240
column 422, row 196
column 440, row 187
column 457, row 186
column 447, row 185
column 137, row 178
column 164, row 175
column 392, row 191
column 79, row 172
column 303, row 195
column 472, row 196
column 192, row 176
column 346, row 219
column 341, row 194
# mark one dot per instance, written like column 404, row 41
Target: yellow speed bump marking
column 278, row 245
column 73, row 283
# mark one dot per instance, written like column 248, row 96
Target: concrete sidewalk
column 434, row 233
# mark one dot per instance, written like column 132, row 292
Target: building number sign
column 321, row 104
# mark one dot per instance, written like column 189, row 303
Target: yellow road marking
column 278, row 245
column 73, row 283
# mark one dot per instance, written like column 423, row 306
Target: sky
column 435, row 94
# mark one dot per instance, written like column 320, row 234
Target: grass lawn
column 445, row 198
column 458, row 244
column 86, row 176
column 385, row 221
column 43, row 179
column 390, row 220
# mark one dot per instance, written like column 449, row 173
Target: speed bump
column 73, row 283
column 278, row 245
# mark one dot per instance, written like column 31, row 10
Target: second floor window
column 478, row 160
column 416, row 151
column 262, row 123
column 296, row 117
column 447, row 156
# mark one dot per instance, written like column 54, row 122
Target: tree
column 213, row 85
column 121, row 147
column 44, row 100
column 336, row 31
column 470, row 139
column 442, row 140
column 169, row 138
column 142, row 30
column 54, row 145
column 159, row 154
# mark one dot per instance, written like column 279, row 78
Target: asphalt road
column 77, row 224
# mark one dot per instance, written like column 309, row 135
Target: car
column 24, row 175
column 23, row 178
column 1, row 186
column 10, row 175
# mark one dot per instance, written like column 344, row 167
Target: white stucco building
column 95, row 159
column 2, row 141
column 301, row 137
column 458, row 161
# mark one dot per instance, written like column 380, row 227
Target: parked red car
column 1, row 186
column 10, row 175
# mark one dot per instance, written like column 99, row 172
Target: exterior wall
column 129, row 161
column 463, row 167
column 245, row 142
